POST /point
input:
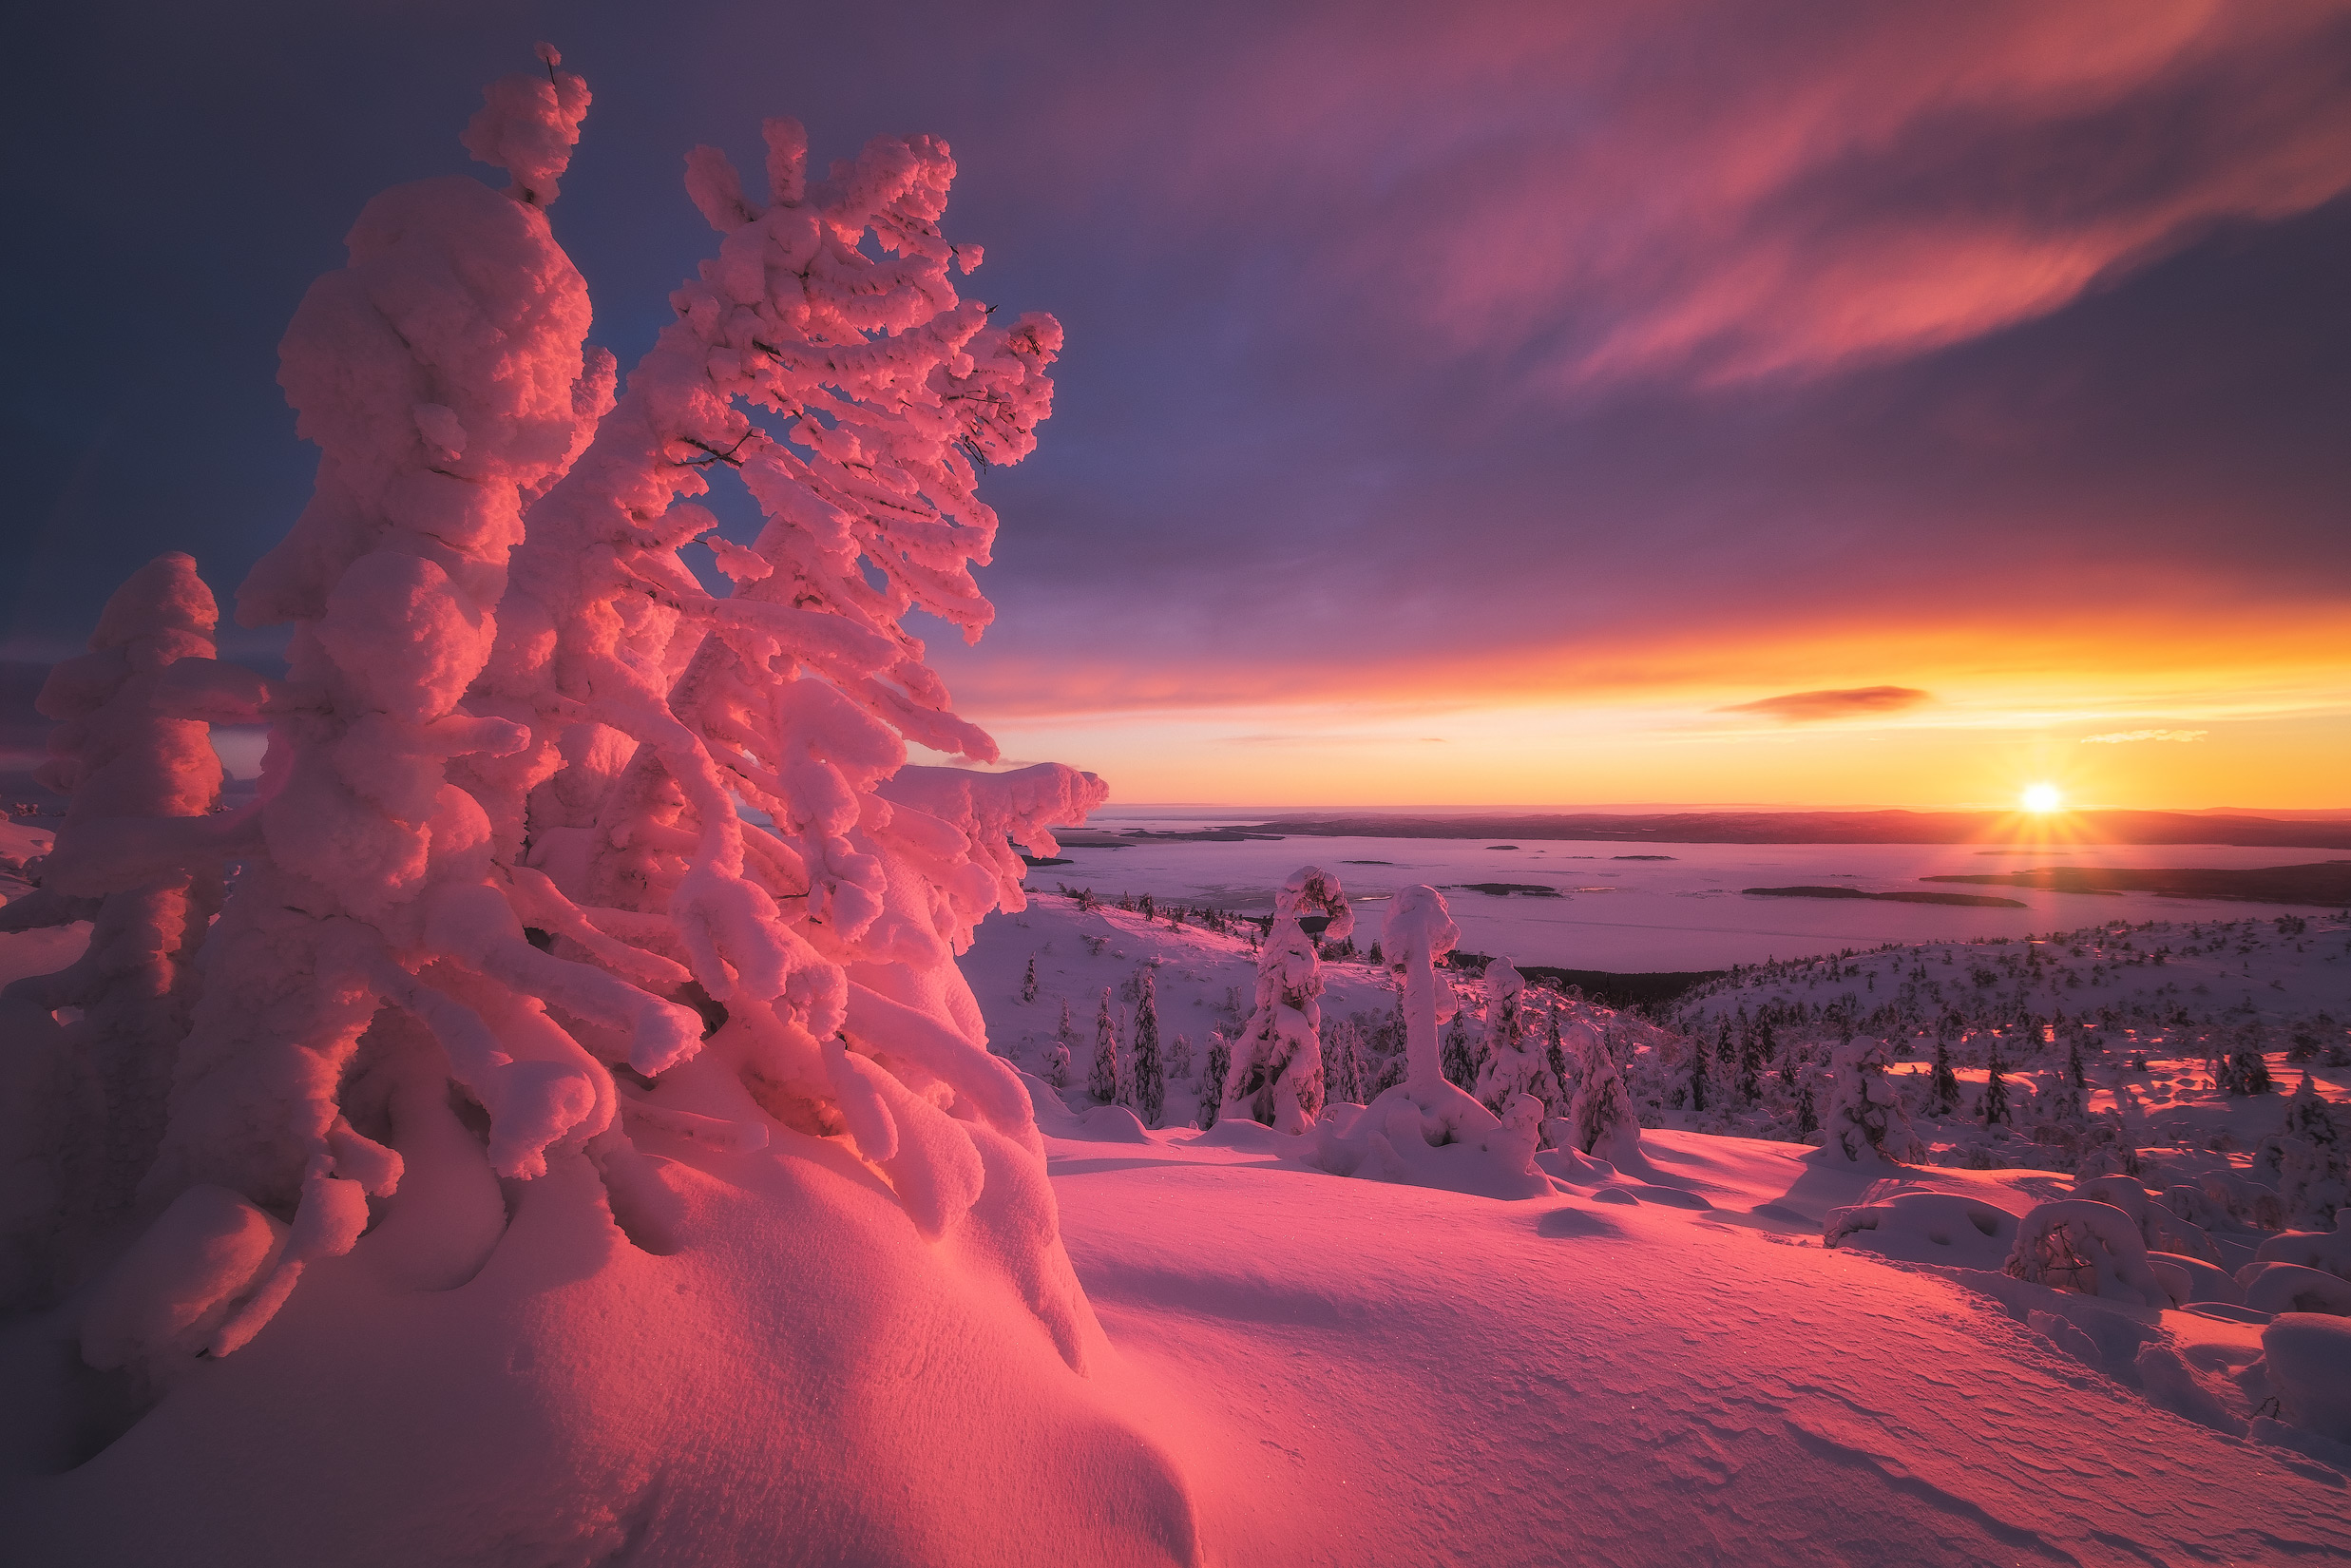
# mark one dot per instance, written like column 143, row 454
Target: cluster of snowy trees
column 544, row 826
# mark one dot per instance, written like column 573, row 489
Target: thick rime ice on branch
column 1424, row 1131
column 498, row 844
column 1276, row 1074
column 83, row 1110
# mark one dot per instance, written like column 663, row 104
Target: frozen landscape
column 598, row 1099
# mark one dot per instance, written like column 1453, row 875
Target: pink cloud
column 1719, row 193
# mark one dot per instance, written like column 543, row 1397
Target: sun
column 2042, row 797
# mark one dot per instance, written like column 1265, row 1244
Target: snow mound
column 1927, row 1228
column 2329, row 1251
column 2085, row 1246
column 1437, row 1137
column 2308, row 1360
column 2290, row 1287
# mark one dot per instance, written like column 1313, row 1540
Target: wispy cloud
column 2125, row 737
column 1847, row 702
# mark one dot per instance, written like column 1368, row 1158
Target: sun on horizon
column 2042, row 798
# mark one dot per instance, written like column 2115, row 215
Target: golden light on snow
column 2042, row 797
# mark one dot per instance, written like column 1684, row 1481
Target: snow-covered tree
column 510, row 708
column 1179, row 1063
column 1146, row 1081
column 1461, row 1062
column 1514, row 1065
column 1028, row 981
column 1342, row 1062
column 1103, row 1077
column 508, row 905
column 1942, row 1090
column 1601, row 1119
column 2243, row 1069
column 1213, row 1077
column 1865, row 1119
column 2311, row 1155
column 1277, row 1063
column 1993, row 1106
column 84, row 1111
column 1697, row 1071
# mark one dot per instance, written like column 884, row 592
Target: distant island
column 1972, row 900
column 2328, row 881
column 1886, row 827
column 1503, row 890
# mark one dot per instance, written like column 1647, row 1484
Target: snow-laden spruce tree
column 1514, row 1060
column 2311, row 1157
column 499, row 920
column 1865, row 1119
column 84, row 1109
column 1104, row 1075
column 1600, row 1120
column 1146, row 1078
column 1276, row 1075
column 1212, row 1076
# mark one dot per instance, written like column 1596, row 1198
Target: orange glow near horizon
column 1946, row 715
column 2042, row 798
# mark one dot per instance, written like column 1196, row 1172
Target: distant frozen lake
column 1683, row 913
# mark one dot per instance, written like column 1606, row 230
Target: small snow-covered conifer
column 1103, row 1077
column 1146, row 1081
column 1514, row 1065
column 1277, row 1063
column 2243, row 1070
column 84, row 1107
column 1056, row 1066
column 1994, row 1105
column 1461, row 1065
column 1028, row 981
column 1697, row 1071
column 1180, row 1062
column 1213, row 1077
column 2312, row 1155
column 1942, row 1092
column 1602, row 1116
column 1865, row 1119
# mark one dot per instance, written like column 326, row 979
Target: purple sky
column 1607, row 366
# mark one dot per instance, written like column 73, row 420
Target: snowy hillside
column 1415, row 1369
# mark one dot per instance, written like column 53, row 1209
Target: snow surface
column 1665, row 1366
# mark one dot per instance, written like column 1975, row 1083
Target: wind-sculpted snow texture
column 515, row 1022
column 1276, row 1075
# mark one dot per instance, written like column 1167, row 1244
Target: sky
column 1634, row 401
